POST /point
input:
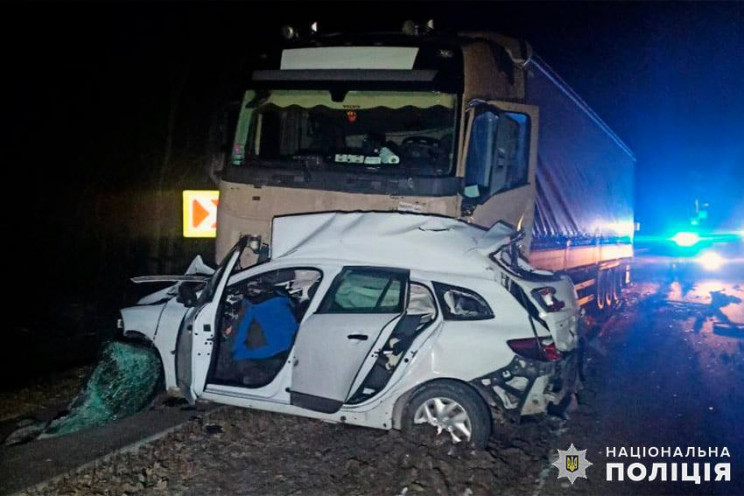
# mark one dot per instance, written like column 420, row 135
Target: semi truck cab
column 429, row 123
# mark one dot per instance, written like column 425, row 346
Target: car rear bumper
column 528, row 387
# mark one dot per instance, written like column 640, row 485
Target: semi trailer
column 471, row 125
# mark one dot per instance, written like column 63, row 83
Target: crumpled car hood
column 424, row 242
column 197, row 271
column 144, row 318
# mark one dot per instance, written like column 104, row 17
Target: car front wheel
column 446, row 411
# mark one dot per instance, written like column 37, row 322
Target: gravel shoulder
column 43, row 393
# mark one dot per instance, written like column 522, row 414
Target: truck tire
column 617, row 285
column 449, row 408
column 599, row 296
column 609, row 289
column 607, row 292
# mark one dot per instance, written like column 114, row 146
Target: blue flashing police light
column 686, row 239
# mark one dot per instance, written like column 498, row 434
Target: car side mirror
column 186, row 295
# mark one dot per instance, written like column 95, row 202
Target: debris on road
column 124, row 381
column 730, row 330
column 213, row 429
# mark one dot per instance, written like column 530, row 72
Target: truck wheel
column 601, row 283
column 447, row 411
column 617, row 285
column 609, row 288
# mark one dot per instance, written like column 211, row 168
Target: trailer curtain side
column 584, row 174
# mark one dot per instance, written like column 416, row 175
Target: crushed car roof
column 414, row 241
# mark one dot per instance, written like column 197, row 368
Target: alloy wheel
column 446, row 415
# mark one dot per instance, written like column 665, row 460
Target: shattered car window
column 461, row 304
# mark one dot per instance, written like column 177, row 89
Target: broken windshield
column 375, row 131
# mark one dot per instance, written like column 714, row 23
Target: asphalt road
column 664, row 371
column 26, row 465
column 667, row 371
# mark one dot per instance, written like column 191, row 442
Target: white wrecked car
column 385, row 320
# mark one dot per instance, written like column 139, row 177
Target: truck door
column 500, row 160
column 361, row 308
column 196, row 336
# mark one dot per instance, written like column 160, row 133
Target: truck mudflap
column 528, row 387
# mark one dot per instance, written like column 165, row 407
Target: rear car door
column 334, row 343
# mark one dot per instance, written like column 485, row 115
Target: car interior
column 260, row 318
column 259, row 321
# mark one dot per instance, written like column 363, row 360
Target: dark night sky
column 87, row 86
column 90, row 83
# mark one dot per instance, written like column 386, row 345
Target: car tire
column 460, row 408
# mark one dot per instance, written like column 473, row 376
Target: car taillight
column 551, row 352
column 547, row 299
column 534, row 349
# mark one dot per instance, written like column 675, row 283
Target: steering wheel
column 422, row 141
column 420, row 148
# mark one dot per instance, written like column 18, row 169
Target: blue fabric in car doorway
column 279, row 326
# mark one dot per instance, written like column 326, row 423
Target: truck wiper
column 289, row 163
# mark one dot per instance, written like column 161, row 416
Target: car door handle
column 358, row 337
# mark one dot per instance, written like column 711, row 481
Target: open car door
column 196, row 336
column 356, row 315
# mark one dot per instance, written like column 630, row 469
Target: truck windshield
column 374, row 131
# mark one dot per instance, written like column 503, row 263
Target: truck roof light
column 288, row 32
column 412, row 28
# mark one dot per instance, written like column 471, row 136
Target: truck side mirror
column 219, row 141
column 471, row 191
